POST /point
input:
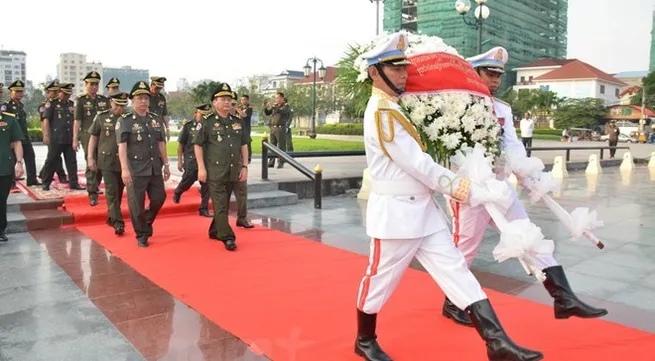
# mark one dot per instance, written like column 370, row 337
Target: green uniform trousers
column 278, row 139
column 114, row 195
column 142, row 220
column 93, row 179
column 241, row 195
column 220, row 192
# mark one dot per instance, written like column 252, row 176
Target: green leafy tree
column 582, row 113
column 649, row 84
column 182, row 105
column 202, row 92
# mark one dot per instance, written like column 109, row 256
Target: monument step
column 22, row 202
column 271, row 198
column 32, row 220
column 262, row 187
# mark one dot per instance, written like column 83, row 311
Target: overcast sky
column 226, row 40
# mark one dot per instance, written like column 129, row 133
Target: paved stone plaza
column 64, row 297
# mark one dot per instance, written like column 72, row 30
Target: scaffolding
column 528, row 29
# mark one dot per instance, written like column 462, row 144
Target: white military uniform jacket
column 510, row 141
column 400, row 204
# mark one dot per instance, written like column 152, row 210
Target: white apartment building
column 12, row 66
column 73, row 67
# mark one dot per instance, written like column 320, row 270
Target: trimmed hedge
column 341, row 129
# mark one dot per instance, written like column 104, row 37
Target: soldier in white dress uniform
column 403, row 220
column 469, row 223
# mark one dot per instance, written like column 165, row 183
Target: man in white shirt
column 527, row 127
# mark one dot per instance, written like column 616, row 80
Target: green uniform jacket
column 18, row 110
column 60, row 121
column 142, row 135
column 86, row 109
column 104, row 127
column 221, row 140
column 9, row 133
column 186, row 137
column 158, row 105
column 280, row 115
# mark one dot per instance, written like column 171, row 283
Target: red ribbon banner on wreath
column 435, row 72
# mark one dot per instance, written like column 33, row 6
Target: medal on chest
column 138, row 136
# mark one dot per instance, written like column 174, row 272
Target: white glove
column 491, row 191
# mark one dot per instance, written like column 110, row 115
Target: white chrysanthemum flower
column 451, row 141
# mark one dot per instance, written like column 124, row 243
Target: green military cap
column 158, row 81
column 140, row 87
column 223, row 90
column 113, row 82
column 18, row 86
column 67, row 88
column 92, row 77
column 234, row 96
column 52, row 86
column 204, row 109
column 119, row 98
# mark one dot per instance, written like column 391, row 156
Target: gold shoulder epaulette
column 104, row 111
column 501, row 101
column 206, row 116
column 393, row 115
column 9, row 114
column 81, row 96
column 126, row 115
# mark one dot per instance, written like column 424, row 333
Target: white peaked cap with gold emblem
column 391, row 52
column 493, row 60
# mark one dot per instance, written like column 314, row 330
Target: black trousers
column 61, row 174
column 613, row 143
column 527, row 142
column 189, row 177
column 56, row 150
column 5, row 188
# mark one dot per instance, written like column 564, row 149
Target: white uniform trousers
column 469, row 224
column 389, row 258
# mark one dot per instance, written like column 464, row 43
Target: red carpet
column 294, row 300
column 79, row 207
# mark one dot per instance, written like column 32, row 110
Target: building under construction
column 528, row 29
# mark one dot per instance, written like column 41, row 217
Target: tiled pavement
column 63, row 297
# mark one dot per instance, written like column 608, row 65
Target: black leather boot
column 454, row 313
column 499, row 346
column 366, row 344
column 566, row 303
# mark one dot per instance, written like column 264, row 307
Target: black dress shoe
column 33, row 183
column 63, row 180
column 76, row 187
column 149, row 230
column 119, row 229
column 244, row 224
column 93, row 201
column 3, row 237
column 176, row 198
column 46, row 187
column 205, row 213
column 143, row 241
column 454, row 313
column 230, row 245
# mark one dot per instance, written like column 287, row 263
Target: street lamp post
column 481, row 13
column 321, row 73
column 377, row 15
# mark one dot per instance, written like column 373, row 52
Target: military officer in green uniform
column 58, row 134
column 15, row 106
column 10, row 137
column 86, row 108
column 186, row 161
column 222, row 154
column 51, row 93
column 158, row 103
column 280, row 120
column 113, row 86
column 103, row 155
column 241, row 188
column 142, row 151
